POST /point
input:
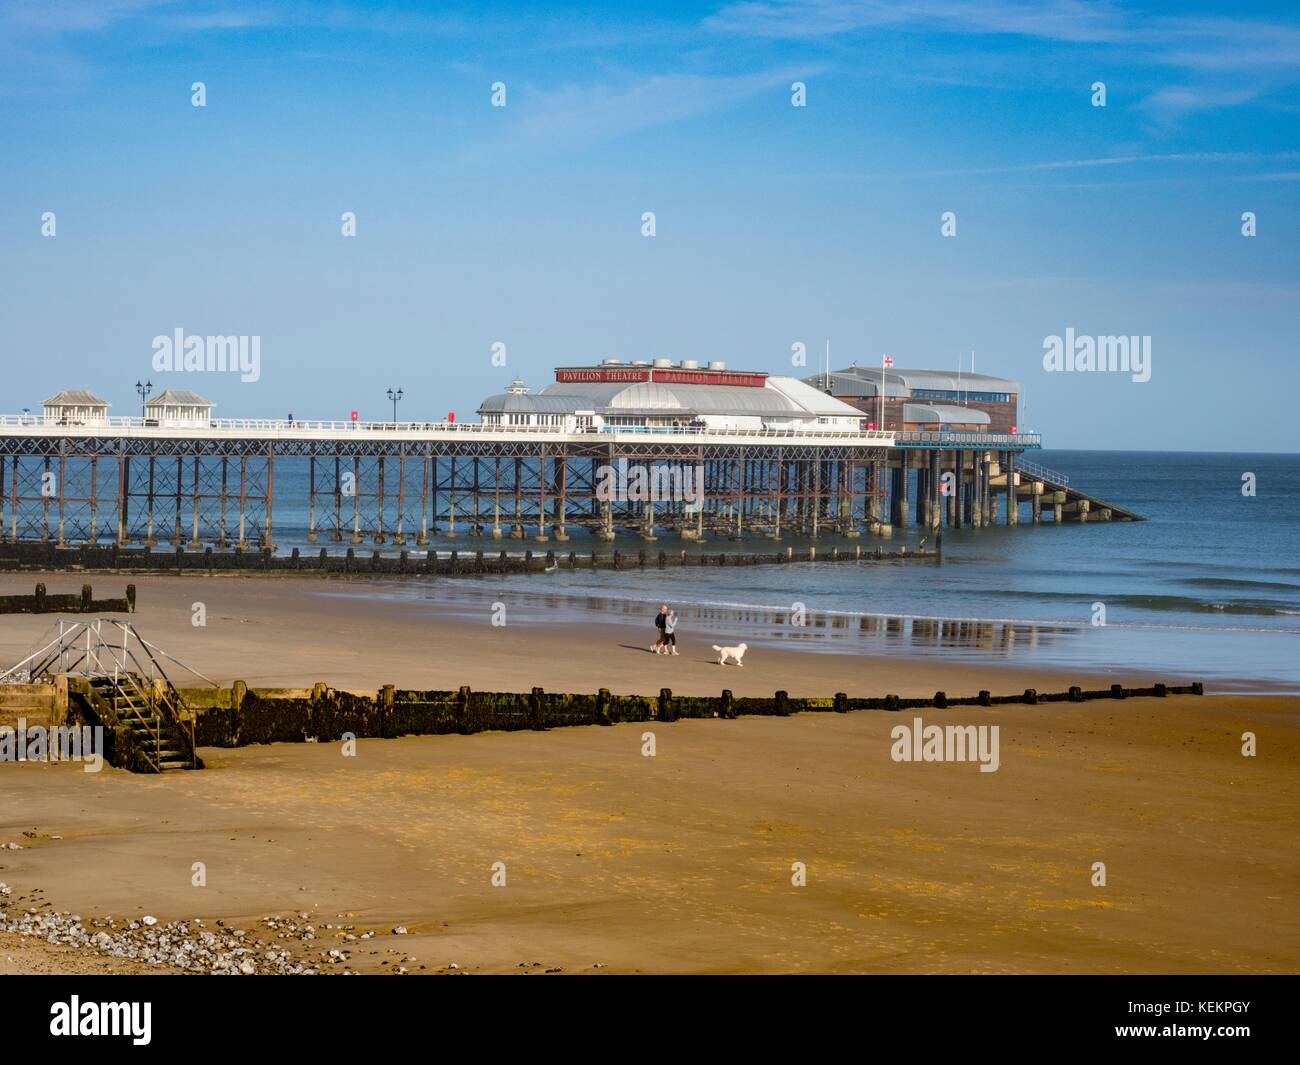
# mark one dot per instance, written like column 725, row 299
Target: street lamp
column 144, row 390
column 394, row 396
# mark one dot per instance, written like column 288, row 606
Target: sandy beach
column 681, row 862
column 292, row 632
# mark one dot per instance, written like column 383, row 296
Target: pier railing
column 283, row 428
column 925, row 438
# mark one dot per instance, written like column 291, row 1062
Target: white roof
column 178, row 397
column 75, row 397
column 778, row 397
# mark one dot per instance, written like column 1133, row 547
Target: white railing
column 39, row 425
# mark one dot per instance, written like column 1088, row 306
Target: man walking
column 661, row 620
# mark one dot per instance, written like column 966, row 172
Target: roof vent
column 663, row 363
column 611, row 362
column 715, row 365
column 690, row 364
column 640, row 362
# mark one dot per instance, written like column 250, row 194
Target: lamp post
column 394, row 396
column 144, row 390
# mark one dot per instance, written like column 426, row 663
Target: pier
column 132, row 481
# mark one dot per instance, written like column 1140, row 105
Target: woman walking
column 670, row 633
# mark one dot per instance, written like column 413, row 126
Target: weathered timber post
column 462, row 710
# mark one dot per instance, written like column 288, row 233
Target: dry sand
column 617, row 862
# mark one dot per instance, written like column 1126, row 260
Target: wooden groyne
column 240, row 716
column 112, row 559
column 83, row 602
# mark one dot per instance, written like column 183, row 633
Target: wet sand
column 287, row 632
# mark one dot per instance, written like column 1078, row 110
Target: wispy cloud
column 1067, row 20
column 580, row 115
column 1118, row 160
column 1231, row 61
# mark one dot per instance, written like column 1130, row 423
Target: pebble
column 183, row 944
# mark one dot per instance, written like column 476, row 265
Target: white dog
column 737, row 652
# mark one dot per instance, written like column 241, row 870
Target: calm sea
column 1208, row 587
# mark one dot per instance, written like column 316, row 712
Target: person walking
column 661, row 619
column 670, row 632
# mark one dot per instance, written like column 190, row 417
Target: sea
column 1208, row 587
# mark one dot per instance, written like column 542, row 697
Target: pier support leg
column 267, row 541
column 379, row 504
column 356, row 499
column 225, row 496
column 898, row 492
column 195, row 542
column 311, row 498
column 935, row 485
column 149, row 540
column 399, row 536
column 541, row 536
column 1013, row 504
column 337, row 535
column 423, row 539
column 562, row 482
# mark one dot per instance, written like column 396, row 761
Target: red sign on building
column 677, row 376
column 710, row 377
column 629, row 374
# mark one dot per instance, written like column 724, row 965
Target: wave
column 1174, row 604
column 1234, row 582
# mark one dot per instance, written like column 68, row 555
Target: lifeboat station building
column 925, row 400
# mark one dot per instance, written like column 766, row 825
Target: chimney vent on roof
column 640, row 362
column 690, row 364
column 716, row 365
column 662, row 363
column 611, row 362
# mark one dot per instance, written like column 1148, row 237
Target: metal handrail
column 1041, row 472
column 155, row 732
column 116, row 425
column 926, row 436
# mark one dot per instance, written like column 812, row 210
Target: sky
column 774, row 225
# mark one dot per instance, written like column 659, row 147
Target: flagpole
column 881, row 426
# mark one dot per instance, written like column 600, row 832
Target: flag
column 889, row 361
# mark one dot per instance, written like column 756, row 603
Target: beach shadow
column 636, row 647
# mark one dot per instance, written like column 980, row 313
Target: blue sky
column 775, row 224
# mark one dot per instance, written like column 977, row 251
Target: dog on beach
column 737, row 652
